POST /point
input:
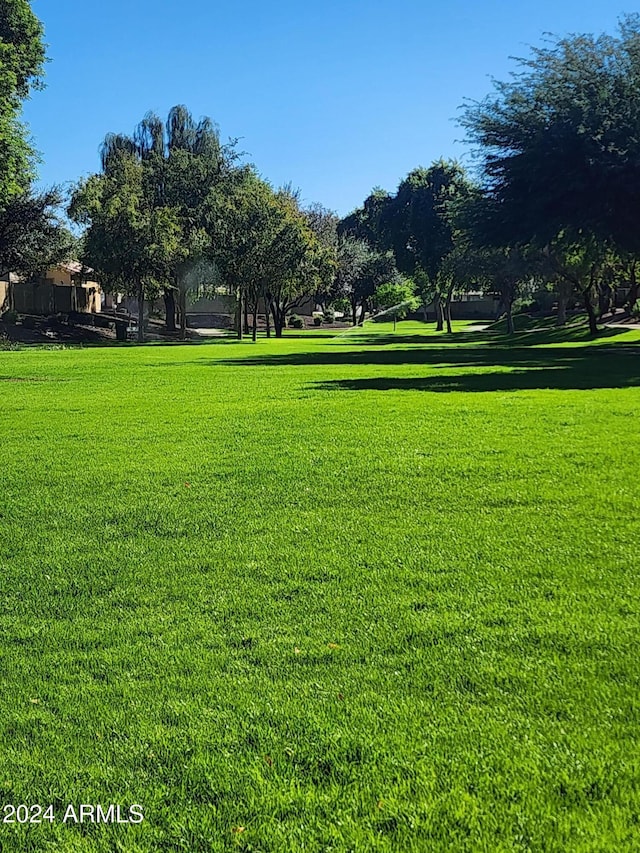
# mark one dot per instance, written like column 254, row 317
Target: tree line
column 550, row 204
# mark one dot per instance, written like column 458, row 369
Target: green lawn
column 372, row 593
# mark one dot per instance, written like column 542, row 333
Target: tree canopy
column 22, row 56
column 558, row 142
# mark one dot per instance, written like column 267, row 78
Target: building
column 64, row 288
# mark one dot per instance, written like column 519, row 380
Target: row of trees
column 552, row 203
column 173, row 211
column 554, row 200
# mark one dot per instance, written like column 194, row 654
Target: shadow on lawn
column 502, row 364
column 534, row 378
column 520, row 370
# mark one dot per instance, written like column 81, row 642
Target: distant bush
column 635, row 310
column 329, row 317
column 296, row 322
column 6, row 343
column 10, row 317
column 317, row 321
column 29, row 322
column 526, row 306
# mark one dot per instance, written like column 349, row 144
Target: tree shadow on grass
column 619, row 370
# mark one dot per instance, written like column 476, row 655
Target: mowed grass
column 372, row 593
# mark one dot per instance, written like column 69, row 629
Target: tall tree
column 127, row 240
column 360, row 269
column 415, row 224
column 184, row 165
column 160, row 181
column 22, row 57
column 560, row 151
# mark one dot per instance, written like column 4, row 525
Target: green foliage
column 148, row 214
column 359, row 270
column 266, row 246
column 398, row 294
column 296, row 322
column 21, row 64
column 6, row 344
column 33, row 236
column 559, row 142
column 635, row 310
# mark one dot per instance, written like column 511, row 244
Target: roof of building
column 74, row 267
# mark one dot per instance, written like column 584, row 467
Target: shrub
column 526, row 306
column 317, row 321
column 10, row 317
column 6, row 343
column 29, row 322
column 328, row 317
column 635, row 310
column 296, row 322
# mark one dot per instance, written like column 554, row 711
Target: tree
column 149, row 212
column 359, row 271
column 127, row 241
column 32, row 234
column 324, row 224
column 243, row 233
column 22, row 57
column 268, row 248
column 352, row 257
column 397, row 294
column 560, row 152
column 368, row 222
column 299, row 264
column 478, row 260
column 415, row 224
column 184, row 164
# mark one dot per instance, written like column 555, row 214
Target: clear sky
column 334, row 97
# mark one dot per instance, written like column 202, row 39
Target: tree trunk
column 254, row 330
column 632, row 296
column 354, row 313
column 425, row 312
column 509, row 311
column 267, row 312
column 279, row 316
column 562, row 309
column 140, row 313
column 239, row 313
column 246, row 317
column 183, row 314
column 169, row 297
column 439, row 315
column 588, row 304
column 447, row 309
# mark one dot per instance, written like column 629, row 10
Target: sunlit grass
column 368, row 593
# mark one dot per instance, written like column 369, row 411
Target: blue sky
column 334, row 97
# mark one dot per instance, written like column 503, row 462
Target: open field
column 378, row 592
